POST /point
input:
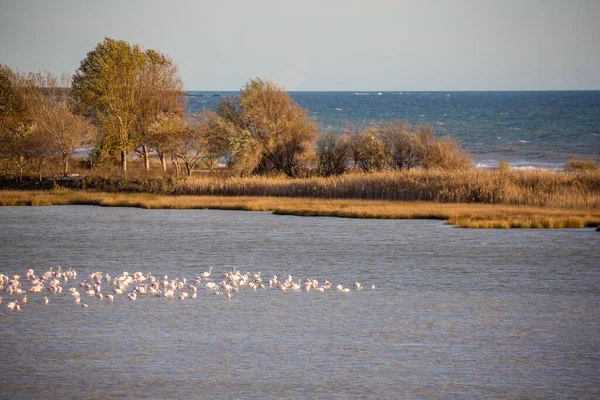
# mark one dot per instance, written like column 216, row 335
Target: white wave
column 339, row 109
column 523, row 141
column 361, row 94
column 520, row 165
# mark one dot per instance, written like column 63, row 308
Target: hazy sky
column 324, row 44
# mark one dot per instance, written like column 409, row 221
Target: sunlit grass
column 467, row 215
column 536, row 188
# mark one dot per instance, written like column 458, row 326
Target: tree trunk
column 146, row 157
column 65, row 164
column 163, row 161
column 175, row 162
column 123, row 161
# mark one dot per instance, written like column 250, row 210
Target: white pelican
column 46, row 301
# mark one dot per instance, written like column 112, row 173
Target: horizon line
column 409, row 91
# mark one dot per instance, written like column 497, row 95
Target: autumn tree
column 63, row 130
column 164, row 134
column 161, row 92
column 191, row 144
column 122, row 88
column 333, row 154
column 19, row 137
column 13, row 105
column 371, row 150
column 265, row 130
column 394, row 145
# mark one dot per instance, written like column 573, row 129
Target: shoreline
column 462, row 215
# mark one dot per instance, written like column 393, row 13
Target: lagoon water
column 455, row 313
column 530, row 129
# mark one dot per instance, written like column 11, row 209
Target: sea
column 528, row 129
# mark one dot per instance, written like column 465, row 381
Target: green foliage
column 12, row 102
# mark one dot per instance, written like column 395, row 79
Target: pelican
column 46, row 301
column 132, row 295
column 12, row 305
column 109, row 297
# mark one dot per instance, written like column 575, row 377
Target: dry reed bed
column 458, row 214
column 510, row 187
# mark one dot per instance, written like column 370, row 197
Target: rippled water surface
column 455, row 313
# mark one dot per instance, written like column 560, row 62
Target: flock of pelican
column 138, row 284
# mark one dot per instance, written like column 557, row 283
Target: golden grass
column 531, row 188
column 473, row 215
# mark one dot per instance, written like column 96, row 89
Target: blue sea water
column 528, row 129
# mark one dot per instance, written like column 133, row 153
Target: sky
column 324, row 45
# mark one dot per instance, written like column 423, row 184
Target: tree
column 123, row 88
column 14, row 146
column 13, row 105
column 64, row 131
column 371, row 150
column 18, row 141
column 161, row 92
column 191, row 145
column 266, row 130
column 333, row 154
column 164, row 133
